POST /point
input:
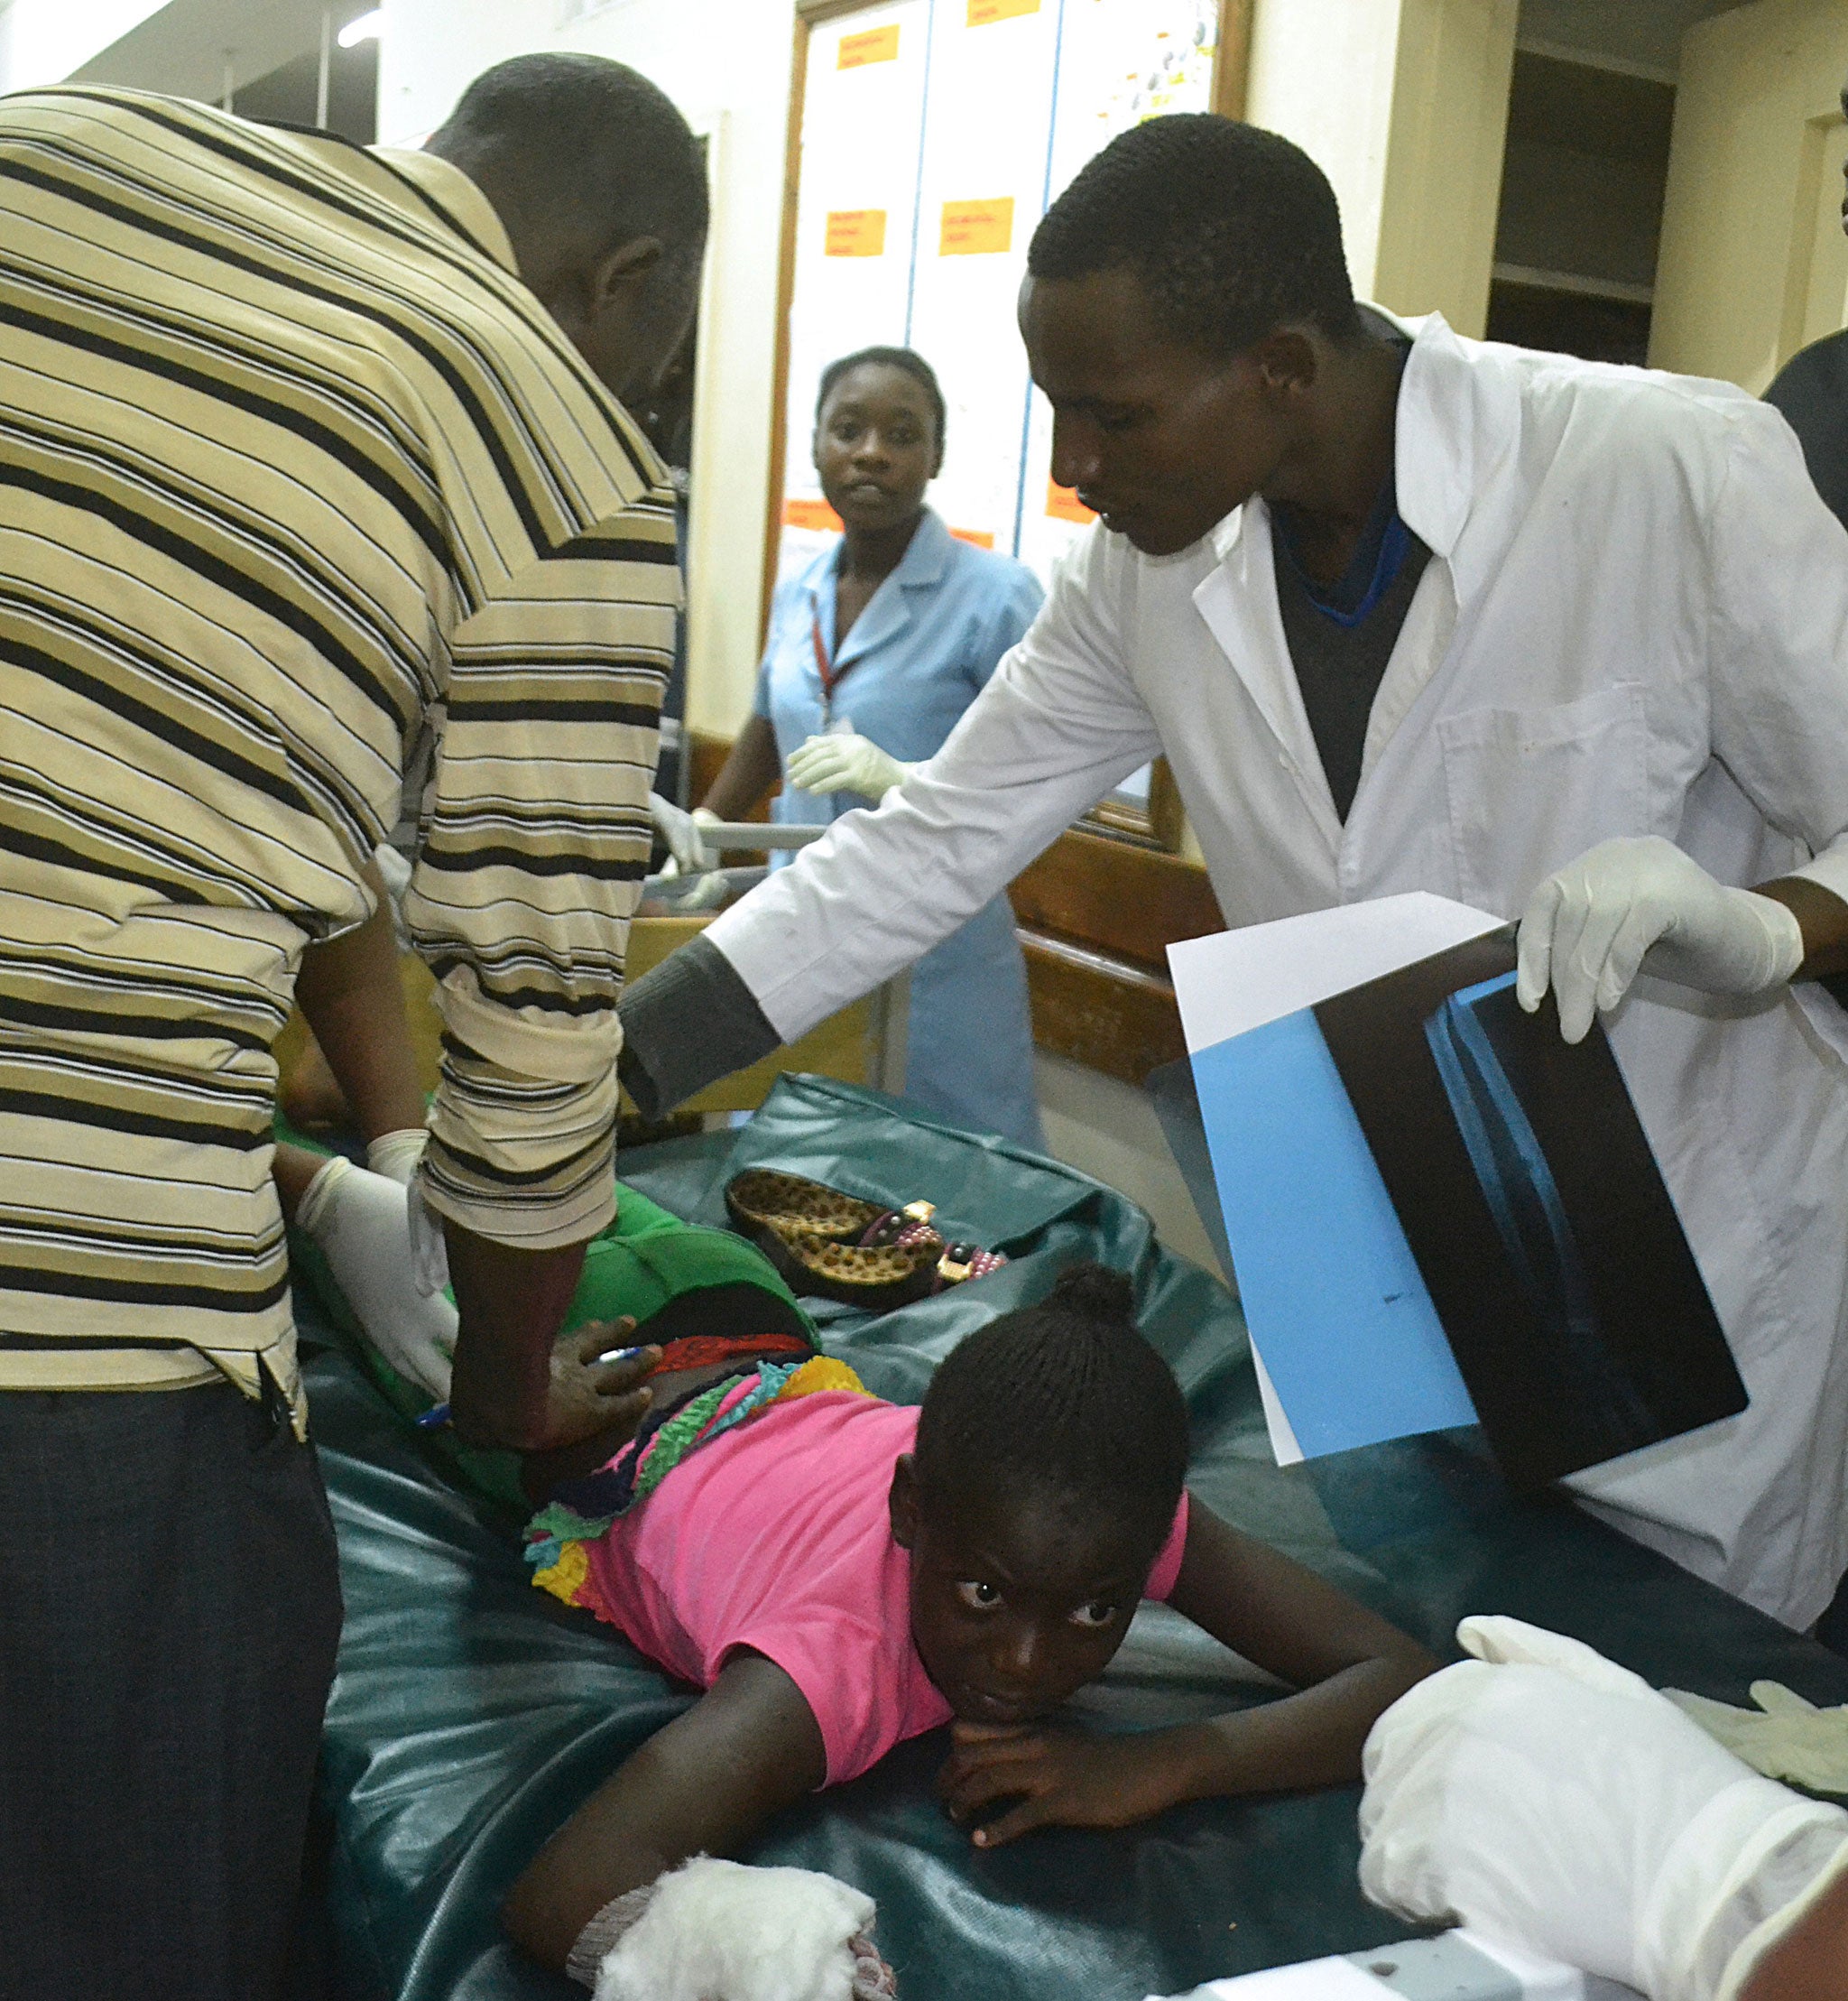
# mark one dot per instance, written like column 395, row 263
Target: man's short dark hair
column 1064, row 1399
column 1230, row 231
column 583, row 146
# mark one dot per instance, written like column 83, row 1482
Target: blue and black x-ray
column 1536, row 1214
column 1523, row 1199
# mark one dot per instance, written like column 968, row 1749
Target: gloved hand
column 429, row 1249
column 714, row 1931
column 1553, row 1801
column 845, row 762
column 1641, row 904
column 395, row 1155
column 361, row 1222
column 1785, row 1737
column 680, row 831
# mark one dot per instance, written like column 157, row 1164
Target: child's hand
column 1056, row 1778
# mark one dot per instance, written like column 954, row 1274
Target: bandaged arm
column 1059, row 726
column 749, row 1747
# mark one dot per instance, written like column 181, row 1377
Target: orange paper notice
column 1062, row 503
column 876, row 45
column 811, row 514
column 982, row 12
column 974, row 228
column 855, row 233
column 981, row 537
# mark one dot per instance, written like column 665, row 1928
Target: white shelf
column 1574, row 282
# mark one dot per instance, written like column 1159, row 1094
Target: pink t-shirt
column 776, row 1536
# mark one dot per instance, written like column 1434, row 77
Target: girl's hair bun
column 1096, row 1292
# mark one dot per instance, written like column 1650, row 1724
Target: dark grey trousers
column 169, row 1610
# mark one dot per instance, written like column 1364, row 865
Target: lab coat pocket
column 1528, row 789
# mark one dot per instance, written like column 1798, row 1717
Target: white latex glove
column 680, row 831
column 1785, row 1737
column 429, row 1249
column 395, row 1155
column 716, row 1931
column 1546, row 1797
column 845, row 762
column 361, row 1222
column 1641, row 903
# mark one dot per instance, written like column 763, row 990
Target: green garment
column 645, row 1258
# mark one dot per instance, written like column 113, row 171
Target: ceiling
column 1644, row 35
column 184, row 48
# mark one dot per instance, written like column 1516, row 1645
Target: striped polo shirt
column 300, row 490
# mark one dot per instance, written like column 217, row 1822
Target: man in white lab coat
column 1406, row 611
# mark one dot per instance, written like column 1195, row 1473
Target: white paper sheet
column 1315, row 1981
column 1284, row 1448
column 1478, row 1969
column 1234, row 980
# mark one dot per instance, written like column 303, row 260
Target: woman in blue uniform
column 874, row 652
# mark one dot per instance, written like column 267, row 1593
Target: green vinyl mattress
column 472, row 1714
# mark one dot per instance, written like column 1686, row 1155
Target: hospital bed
column 472, row 1714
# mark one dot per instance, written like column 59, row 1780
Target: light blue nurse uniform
column 918, row 654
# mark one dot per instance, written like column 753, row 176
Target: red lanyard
column 822, row 664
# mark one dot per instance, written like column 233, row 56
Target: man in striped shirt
column 314, row 473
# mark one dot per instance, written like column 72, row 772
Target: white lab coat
column 1634, row 621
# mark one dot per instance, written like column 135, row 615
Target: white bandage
column 716, row 1931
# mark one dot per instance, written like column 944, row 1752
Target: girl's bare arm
column 705, row 1784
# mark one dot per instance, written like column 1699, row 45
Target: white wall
column 1322, row 74
column 1443, row 185
column 726, row 64
column 1752, row 263
column 43, row 40
column 1404, row 104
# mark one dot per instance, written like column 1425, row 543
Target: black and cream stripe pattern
column 299, row 486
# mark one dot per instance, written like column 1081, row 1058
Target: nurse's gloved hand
column 681, row 834
column 846, row 762
column 1785, row 1737
column 1553, row 1801
column 1641, row 905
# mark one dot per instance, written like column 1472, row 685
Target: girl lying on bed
column 839, row 1574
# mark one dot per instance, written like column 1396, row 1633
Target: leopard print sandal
column 790, row 1205
column 828, row 1245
